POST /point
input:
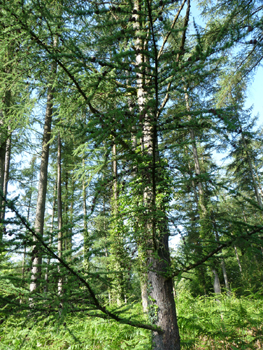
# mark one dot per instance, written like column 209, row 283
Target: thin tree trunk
column 4, row 155
column 106, row 249
column 71, row 213
column 59, row 205
column 217, row 287
column 42, row 185
column 27, row 217
column 42, row 190
column 238, row 260
column 225, row 276
column 2, row 174
column 117, row 285
column 114, row 172
column 51, row 235
column 222, row 261
column 85, row 223
column 32, row 168
column 66, row 208
column 117, row 251
column 7, row 162
column 6, row 173
column 259, row 184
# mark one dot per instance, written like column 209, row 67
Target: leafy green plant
column 220, row 323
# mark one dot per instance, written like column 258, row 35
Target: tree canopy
column 117, row 111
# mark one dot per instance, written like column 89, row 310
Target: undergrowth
column 224, row 322
column 205, row 323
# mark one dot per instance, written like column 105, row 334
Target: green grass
column 205, row 323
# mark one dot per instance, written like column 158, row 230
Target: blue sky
column 255, row 94
column 255, row 90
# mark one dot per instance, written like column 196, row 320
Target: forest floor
column 227, row 323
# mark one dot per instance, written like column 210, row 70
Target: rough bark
column 161, row 308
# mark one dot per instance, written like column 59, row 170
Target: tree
column 42, row 187
column 120, row 78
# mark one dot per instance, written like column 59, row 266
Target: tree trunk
column 238, row 260
column 4, row 154
column 117, row 283
column 42, row 190
column 225, row 276
column 142, row 272
column 27, row 217
column 6, row 174
column 85, row 224
column 144, row 293
column 7, row 162
column 71, row 214
column 118, row 255
column 42, row 185
column 66, row 208
column 161, row 308
column 223, row 265
column 2, row 171
column 51, row 236
column 59, row 200
column 217, row 287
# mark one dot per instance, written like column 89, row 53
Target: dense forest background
column 113, row 118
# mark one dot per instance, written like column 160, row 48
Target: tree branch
column 103, row 309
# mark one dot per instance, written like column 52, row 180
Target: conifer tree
column 120, row 77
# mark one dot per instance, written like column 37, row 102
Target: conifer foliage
column 131, row 122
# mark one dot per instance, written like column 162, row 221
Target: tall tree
column 125, row 65
column 43, row 176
